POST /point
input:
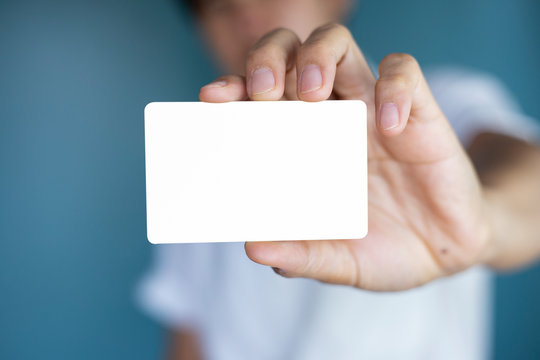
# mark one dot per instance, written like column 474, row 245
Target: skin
column 232, row 27
column 184, row 344
column 431, row 212
column 426, row 210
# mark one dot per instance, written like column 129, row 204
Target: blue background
column 74, row 78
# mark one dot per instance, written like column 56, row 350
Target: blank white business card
column 255, row 171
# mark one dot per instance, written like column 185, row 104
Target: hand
column 427, row 215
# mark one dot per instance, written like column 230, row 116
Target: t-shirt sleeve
column 172, row 290
column 476, row 102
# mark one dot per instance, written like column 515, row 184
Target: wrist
column 513, row 229
column 509, row 169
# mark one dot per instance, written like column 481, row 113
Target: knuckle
column 394, row 82
column 397, row 80
column 316, row 48
column 264, row 54
column 326, row 40
column 282, row 32
column 329, row 30
column 274, row 36
column 232, row 79
column 274, row 45
column 269, row 48
column 310, row 263
column 252, row 56
column 404, row 57
column 401, row 59
column 333, row 28
column 278, row 36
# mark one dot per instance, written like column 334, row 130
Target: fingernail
column 262, row 80
column 279, row 271
column 389, row 116
column 310, row 79
column 216, row 84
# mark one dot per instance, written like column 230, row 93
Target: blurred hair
column 193, row 5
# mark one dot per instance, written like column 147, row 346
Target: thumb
column 329, row 261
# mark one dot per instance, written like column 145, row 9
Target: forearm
column 184, row 345
column 509, row 170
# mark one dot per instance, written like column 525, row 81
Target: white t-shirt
column 244, row 311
